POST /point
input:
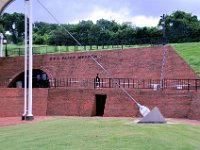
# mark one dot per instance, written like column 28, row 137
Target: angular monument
column 154, row 116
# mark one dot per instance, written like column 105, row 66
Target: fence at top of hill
column 45, row 49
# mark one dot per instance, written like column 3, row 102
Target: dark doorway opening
column 100, row 104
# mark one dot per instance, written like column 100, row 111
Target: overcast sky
column 139, row 12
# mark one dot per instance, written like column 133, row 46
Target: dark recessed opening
column 39, row 80
column 100, row 104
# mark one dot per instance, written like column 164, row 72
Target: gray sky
column 139, row 12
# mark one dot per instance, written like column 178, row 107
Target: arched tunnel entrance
column 40, row 80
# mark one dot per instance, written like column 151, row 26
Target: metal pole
column 1, row 45
column 30, row 90
column 25, row 64
column 165, row 50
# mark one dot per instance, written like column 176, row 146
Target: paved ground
column 10, row 121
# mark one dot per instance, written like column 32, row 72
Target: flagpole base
column 29, row 118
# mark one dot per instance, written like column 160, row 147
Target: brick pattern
column 194, row 107
column 172, row 104
column 140, row 63
column 71, row 102
column 12, row 102
column 82, row 102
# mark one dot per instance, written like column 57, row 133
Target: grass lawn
column 190, row 52
column 70, row 133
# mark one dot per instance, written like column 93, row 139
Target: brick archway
column 40, row 80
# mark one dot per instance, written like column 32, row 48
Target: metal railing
column 128, row 83
column 46, row 49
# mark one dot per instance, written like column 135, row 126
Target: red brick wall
column 195, row 107
column 173, row 104
column 138, row 63
column 12, row 102
column 81, row 102
column 71, row 102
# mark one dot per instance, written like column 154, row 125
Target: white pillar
column 1, row 45
column 30, row 115
column 25, row 62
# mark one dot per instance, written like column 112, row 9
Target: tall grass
column 99, row 134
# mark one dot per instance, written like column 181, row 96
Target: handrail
column 127, row 83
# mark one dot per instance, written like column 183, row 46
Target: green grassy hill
column 190, row 52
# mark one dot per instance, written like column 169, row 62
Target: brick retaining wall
column 139, row 63
column 12, row 102
column 81, row 102
column 136, row 63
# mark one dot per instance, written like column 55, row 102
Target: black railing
column 128, row 83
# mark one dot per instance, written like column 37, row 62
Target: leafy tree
column 181, row 26
column 57, row 37
column 1, row 29
column 42, row 32
column 14, row 23
column 40, row 39
column 83, row 30
column 93, row 36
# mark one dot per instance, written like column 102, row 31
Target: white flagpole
column 25, row 63
column 1, row 45
column 30, row 90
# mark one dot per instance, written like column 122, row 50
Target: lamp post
column 1, row 45
column 163, row 28
column 164, row 47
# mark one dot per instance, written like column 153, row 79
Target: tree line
column 179, row 27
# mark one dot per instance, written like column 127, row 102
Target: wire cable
column 98, row 63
